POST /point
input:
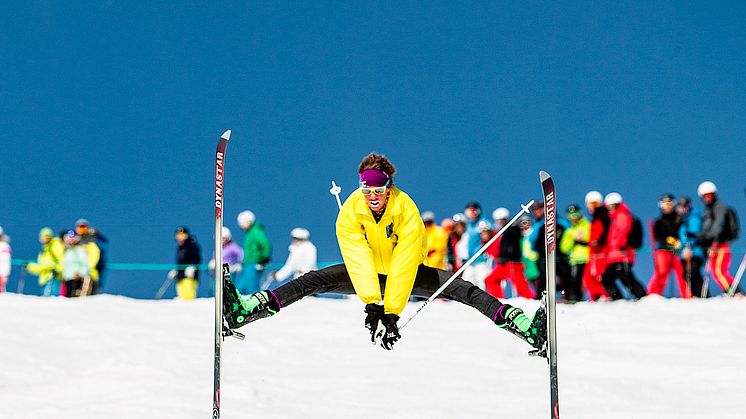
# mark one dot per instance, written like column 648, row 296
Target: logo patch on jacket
column 389, row 230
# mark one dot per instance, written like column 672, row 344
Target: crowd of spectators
column 595, row 257
column 596, row 254
column 70, row 264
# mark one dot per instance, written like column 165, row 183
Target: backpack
column 731, row 227
column 634, row 238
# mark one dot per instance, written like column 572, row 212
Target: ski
column 219, row 183
column 550, row 217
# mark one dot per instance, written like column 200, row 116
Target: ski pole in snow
column 739, row 274
column 164, row 287
column 336, row 190
column 524, row 209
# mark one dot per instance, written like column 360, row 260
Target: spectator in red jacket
column 594, row 203
column 620, row 256
column 508, row 258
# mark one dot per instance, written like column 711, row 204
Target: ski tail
column 550, row 217
column 219, row 183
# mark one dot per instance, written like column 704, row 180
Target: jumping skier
column 382, row 240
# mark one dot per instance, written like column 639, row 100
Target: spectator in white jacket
column 302, row 257
column 4, row 260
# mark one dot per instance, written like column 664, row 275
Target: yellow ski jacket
column 48, row 264
column 395, row 247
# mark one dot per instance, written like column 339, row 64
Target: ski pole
column 336, row 190
column 739, row 274
column 524, row 209
column 164, row 287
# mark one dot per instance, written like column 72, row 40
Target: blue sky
column 112, row 111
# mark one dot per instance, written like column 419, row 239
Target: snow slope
column 114, row 357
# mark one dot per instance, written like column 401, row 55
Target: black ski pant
column 561, row 269
column 693, row 274
column 574, row 291
column 623, row 272
column 335, row 279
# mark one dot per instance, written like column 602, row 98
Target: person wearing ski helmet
column 719, row 228
column 667, row 246
column 620, row 256
column 382, row 240
column 692, row 255
column 574, row 243
column 600, row 223
column 232, row 254
column 301, row 256
column 562, row 267
column 48, row 265
column 508, row 259
column 257, row 253
column 458, row 243
column 480, row 268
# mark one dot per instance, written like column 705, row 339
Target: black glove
column 375, row 313
column 391, row 334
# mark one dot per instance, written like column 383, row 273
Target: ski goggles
column 378, row 190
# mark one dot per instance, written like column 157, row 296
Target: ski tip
column 226, row 135
column 543, row 175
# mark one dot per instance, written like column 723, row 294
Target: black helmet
column 182, row 229
column 667, row 197
column 685, row 201
column 473, row 204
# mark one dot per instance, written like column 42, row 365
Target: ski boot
column 238, row 310
column 533, row 331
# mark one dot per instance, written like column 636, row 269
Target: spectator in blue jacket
column 477, row 272
column 692, row 255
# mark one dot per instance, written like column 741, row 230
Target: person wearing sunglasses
column 382, row 240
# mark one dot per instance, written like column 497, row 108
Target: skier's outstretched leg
column 239, row 310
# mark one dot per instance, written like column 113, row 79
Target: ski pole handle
column 336, row 190
column 524, row 209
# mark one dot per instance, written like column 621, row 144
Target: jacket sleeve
column 94, row 254
column 264, row 248
column 290, row 266
column 407, row 256
column 357, row 255
column 567, row 242
column 719, row 215
column 620, row 228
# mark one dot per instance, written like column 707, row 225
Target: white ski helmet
column 593, row 196
column 500, row 214
column 428, row 216
column 300, row 233
column 613, row 198
column 227, row 233
column 705, row 188
column 245, row 218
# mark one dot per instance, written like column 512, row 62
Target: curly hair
column 377, row 161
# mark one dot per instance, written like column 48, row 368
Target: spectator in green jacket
column 257, row 252
column 574, row 243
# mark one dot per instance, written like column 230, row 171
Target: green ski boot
column 238, row 310
column 533, row 331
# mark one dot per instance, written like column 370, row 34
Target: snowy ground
column 113, row 357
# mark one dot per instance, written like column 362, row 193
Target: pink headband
column 373, row 178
